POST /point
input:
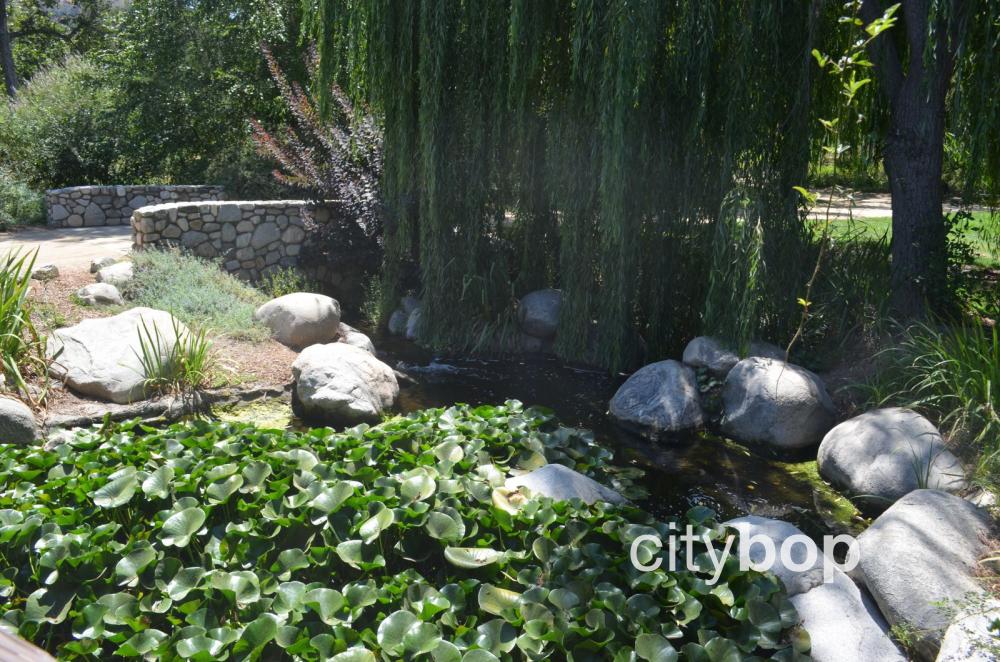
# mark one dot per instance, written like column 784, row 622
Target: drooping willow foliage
column 637, row 154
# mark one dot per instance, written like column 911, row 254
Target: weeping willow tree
column 632, row 153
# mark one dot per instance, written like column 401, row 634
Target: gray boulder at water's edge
column 659, row 398
column 301, row 319
column 974, row 636
column 349, row 335
column 888, row 453
column 843, row 623
column 342, row 384
column 119, row 274
column 711, row 354
column 100, row 357
column 919, row 560
column 100, row 294
column 770, row 401
column 17, row 422
column 562, row 483
column 397, row 322
column 538, row 313
column 413, row 325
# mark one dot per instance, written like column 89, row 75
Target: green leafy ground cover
column 212, row 541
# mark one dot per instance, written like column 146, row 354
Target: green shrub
column 284, row 280
column 951, row 374
column 215, row 541
column 196, row 291
column 19, row 203
column 22, row 347
column 61, row 129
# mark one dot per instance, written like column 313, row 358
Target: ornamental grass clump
column 211, row 541
column 22, row 347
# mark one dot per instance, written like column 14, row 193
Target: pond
column 703, row 469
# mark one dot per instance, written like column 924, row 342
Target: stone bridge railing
column 90, row 206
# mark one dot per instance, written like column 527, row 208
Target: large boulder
column 562, row 483
column 711, row 354
column 659, row 398
column 119, row 274
column 17, row 423
column 886, row 454
column 100, row 294
column 919, row 560
column 351, row 336
column 770, row 401
column 100, row 357
column 342, row 384
column 973, row 636
column 538, row 313
column 301, row 319
column 843, row 623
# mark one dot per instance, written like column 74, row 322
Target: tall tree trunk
column 913, row 157
column 7, row 53
column 915, row 87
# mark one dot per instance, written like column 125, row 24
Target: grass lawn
column 983, row 232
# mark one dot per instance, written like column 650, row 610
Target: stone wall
column 89, row 206
column 250, row 238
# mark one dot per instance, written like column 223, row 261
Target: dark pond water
column 703, row 469
column 697, row 470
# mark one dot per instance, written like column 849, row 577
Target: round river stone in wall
column 301, row 319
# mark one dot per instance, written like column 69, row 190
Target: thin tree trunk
column 7, row 53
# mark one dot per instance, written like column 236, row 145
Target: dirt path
column 867, row 205
column 69, row 248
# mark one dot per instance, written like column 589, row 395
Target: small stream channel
column 702, row 469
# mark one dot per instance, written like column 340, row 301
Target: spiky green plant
column 22, row 347
column 174, row 365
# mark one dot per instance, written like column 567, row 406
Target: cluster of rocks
column 921, row 552
column 337, row 377
column 405, row 320
column 251, row 238
column 90, row 206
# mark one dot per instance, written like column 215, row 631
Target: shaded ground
column 867, row 205
column 69, row 247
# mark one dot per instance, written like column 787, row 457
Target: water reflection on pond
column 698, row 470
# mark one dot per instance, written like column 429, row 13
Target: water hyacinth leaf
column 443, row 526
column 221, row 471
column 157, row 484
column 764, row 616
column 221, row 490
column 48, row 604
column 289, row 560
column 472, row 557
column 331, row 498
column 373, row 526
column 179, row 528
column 258, row 633
column 185, row 581
column 654, row 648
column 89, row 623
column 421, row 638
column 392, row 631
column 479, row 655
column 446, row 652
column 719, row 649
column 254, row 475
column 449, row 451
column 116, row 492
column 326, row 602
column 128, row 568
column 243, row 584
column 563, row 598
column 418, row 487
column 494, row 600
column 121, row 608
column 199, row 646
column 354, row 655
column 142, row 643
